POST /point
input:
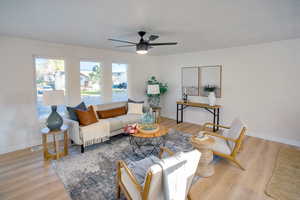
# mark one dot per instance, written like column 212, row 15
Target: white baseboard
column 275, row 139
column 263, row 136
column 20, row 146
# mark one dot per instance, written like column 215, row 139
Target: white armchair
column 161, row 182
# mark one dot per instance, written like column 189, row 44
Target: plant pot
column 212, row 98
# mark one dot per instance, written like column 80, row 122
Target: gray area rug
column 92, row 175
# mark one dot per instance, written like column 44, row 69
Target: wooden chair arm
column 206, row 125
column 122, row 164
column 164, row 149
column 220, row 136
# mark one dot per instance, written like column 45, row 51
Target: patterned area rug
column 92, row 175
column 285, row 181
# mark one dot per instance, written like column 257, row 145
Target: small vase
column 54, row 121
column 212, row 98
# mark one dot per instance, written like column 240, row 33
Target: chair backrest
column 155, row 188
column 235, row 131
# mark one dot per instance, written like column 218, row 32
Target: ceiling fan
column 144, row 44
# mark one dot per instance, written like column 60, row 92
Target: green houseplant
column 210, row 89
column 154, row 90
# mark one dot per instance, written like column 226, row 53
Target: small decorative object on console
column 211, row 94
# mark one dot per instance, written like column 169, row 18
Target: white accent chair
column 154, row 182
column 229, row 144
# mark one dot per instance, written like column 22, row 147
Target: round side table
column 45, row 133
column 205, row 167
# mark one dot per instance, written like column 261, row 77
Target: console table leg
column 181, row 113
column 177, row 113
column 218, row 118
column 214, row 122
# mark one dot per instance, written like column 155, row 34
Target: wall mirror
column 194, row 79
column 190, row 81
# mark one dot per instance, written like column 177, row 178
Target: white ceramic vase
column 212, row 98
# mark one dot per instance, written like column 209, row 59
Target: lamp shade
column 54, row 97
column 153, row 89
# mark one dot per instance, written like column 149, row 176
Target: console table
column 214, row 110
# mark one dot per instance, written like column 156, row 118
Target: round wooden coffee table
column 205, row 167
column 148, row 143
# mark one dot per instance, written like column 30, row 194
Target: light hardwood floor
column 25, row 175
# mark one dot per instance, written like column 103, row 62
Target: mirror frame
column 199, row 79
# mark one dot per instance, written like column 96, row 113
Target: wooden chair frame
column 144, row 191
column 238, row 142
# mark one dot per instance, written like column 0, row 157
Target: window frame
column 101, row 80
column 127, row 75
column 34, row 57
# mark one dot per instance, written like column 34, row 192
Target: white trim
column 20, row 146
column 274, row 139
column 263, row 136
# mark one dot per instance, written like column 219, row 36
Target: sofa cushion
column 130, row 119
column 135, row 108
column 221, row 146
column 114, row 112
column 86, row 117
column 72, row 112
column 114, row 123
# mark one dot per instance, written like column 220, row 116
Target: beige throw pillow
column 135, row 108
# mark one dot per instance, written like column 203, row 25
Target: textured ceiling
column 195, row 24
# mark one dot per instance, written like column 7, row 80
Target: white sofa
column 116, row 124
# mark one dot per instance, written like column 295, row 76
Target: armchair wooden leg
column 189, row 197
column 118, row 191
column 238, row 164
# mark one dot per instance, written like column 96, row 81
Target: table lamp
column 153, row 91
column 54, row 98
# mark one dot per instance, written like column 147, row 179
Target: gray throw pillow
column 72, row 112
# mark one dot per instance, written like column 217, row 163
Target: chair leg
column 118, row 191
column 238, row 164
column 189, row 197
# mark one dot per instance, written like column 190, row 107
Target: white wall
column 260, row 84
column 18, row 119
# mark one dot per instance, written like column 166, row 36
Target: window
column 119, row 79
column 50, row 75
column 90, row 77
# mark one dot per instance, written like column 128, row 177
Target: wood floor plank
column 25, row 175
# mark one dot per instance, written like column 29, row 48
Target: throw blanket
column 173, row 177
column 95, row 133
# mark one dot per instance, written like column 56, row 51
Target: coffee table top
column 160, row 132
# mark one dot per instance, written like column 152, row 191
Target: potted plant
column 210, row 89
column 154, row 90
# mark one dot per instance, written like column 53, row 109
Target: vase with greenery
column 210, row 89
column 154, row 99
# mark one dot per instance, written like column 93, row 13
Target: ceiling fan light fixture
column 143, row 52
column 142, row 48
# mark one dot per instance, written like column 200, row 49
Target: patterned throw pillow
column 135, row 108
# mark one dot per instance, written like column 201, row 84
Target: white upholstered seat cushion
column 221, row 145
column 234, row 132
column 114, row 123
column 129, row 118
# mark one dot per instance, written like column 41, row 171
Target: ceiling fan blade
column 160, row 44
column 153, row 37
column 130, row 45
column 121, row 41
